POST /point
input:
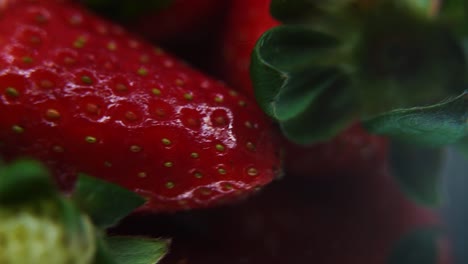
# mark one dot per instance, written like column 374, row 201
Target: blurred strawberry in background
column 187, row 28
column 357, row 219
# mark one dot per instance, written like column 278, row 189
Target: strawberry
column 25, row 229
column 352, row 150
column 246, row 21
column 352, row 219
column 83, row 95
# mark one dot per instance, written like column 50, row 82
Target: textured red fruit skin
column 246, row 21
column 351, row 218
column 89, row 97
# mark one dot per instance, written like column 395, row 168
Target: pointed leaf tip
column 418, row 170
column 133, row 250
column 436, row 125
column 105, row 202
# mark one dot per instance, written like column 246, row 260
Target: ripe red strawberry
column 351, row 219
column 83, row 95
column 353, row 150
column 245, row 23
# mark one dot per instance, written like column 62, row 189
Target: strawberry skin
column 245, row 23
column 83, row 95
column 354, row 150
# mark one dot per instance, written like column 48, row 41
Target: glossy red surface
column 245, row 23
column 83, row 95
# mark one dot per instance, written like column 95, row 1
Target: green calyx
column 41, row 225
column 24, row 181
column 384, row 57
column 403, row 62
column 397, row 66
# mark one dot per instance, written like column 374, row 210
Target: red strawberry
column 83, row 95
column 351, row 219
column 353, row 150
column 246, row 22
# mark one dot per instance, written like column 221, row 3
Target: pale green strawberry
column 37, row 234
column 40, row 225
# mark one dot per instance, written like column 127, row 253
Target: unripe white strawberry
column 37, row 234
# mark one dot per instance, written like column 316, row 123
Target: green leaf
column 24, row 180
column 72, row 219
column 103, row 255
column 436, row 125
column 291, row 67
column 131, row 250
column 333, row 111
column 403, row 61
column 418, row 170
column 395, row 60
column 455, row 13
column 418, row 246
column 297, row 80
column 294, row 98
column 105, row 202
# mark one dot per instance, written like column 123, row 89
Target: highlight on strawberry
column 83, row 95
